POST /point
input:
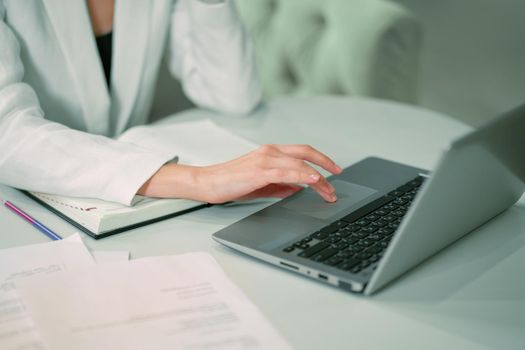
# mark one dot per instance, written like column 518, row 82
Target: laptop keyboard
column 358, row 240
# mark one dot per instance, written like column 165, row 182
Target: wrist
column 173, row 181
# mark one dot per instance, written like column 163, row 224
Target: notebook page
column 196, row 143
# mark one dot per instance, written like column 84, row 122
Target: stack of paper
column 59, row 296
column 16, row 326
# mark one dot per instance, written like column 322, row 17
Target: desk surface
column 470, row 296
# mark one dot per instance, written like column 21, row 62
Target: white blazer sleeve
column 212, row 55
column 39, row 155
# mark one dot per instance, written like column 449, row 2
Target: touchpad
column 308, row 202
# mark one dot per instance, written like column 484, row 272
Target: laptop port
column 323, row 277
column 289, row 265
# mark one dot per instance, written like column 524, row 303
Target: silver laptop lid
column 481, row 175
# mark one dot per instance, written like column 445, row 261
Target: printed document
column 176, row 302
column 16, row 328
column 109, row 256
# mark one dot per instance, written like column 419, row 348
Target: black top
column 104, row 45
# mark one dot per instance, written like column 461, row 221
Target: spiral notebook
column 197, row 143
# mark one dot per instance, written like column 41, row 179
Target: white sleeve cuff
column 135, row 170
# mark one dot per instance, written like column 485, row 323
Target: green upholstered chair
column 359, row 47
column 363, row 47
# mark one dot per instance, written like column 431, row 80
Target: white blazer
column 56, row 113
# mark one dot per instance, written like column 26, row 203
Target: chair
column 304, row 47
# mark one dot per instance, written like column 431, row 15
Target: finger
column 289, row 176
column 327, row 196
column 297, row 177
column 323, row 185
column 290, row 163
column 308, row 153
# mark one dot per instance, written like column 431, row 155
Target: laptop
column 389, row 216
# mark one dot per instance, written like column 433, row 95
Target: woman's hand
column 269, row 171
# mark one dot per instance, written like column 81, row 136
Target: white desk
column 470, row 296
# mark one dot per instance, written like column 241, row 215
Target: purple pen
column 32, row 221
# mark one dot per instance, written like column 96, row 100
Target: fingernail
column 333, row 197
column 314, row 177
column 338, row 168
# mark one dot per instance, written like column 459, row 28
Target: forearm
column 39, row 155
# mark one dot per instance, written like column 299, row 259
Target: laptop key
column 360, row 234
column 367, row 209
column 400, row 201
column 382, row 212
column 391, row 206
column 336, row 234
column 350, row 240
column 393, row 225
column 363, row 222
column 374, row 258
column 404, row 188
column 316, row 248
column 334, row 227
column 372, row 217
column 319, row 235
column 332, row 239
column 375, row 249
column 385, row 231
column 407, row 197
column 345, row 254
column 341, row 245
column 348, row 264
column 363, row 255
column 344, row 233
column 379, row 223
column 389, row 218
column 354, row 249
column 353, row 227
column 369, row 229
column 414, row 183
column 395, row 193
column 359, row 245
column 334, row 260
column 375, row 237
column 367, row 242
column 325, row 254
